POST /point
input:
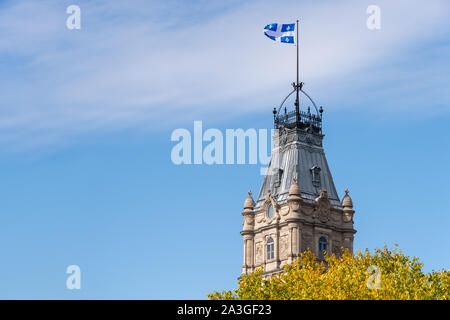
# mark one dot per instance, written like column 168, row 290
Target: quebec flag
column 280, row 32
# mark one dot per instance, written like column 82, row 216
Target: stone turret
column 247, row 233
column 248, row 214
column 347, row 204
column 294, row 199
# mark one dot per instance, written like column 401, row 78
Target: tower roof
column 298, row 153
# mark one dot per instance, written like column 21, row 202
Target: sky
column 86, row 118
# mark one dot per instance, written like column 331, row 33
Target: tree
column 386, row 274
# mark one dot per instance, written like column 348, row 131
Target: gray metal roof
column 298, row 152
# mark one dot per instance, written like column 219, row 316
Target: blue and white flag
column 280, row 32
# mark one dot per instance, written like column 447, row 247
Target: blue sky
column 86, row 118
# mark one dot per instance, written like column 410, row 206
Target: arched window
column 270, row 249
column 322, row 246
column 270, row 211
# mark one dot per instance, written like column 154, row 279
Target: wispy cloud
column 159, row 62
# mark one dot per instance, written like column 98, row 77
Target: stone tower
column 298, row 207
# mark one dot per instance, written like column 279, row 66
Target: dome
column 249, row 203
column 347, row 201
column 294, row 189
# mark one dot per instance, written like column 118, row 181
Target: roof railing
column 306, row 120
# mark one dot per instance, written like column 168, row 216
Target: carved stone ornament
column 294, row 207
column 307, row 211
column 308, row 139
column 336, row 217
column 276, row 214
column 249, row 220
column 262, row 217
column 323, row 206
column 348, row 217
column 284, row 211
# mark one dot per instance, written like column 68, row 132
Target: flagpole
column 297, row 87
column 297, row 53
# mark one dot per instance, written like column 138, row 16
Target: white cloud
column 132, row 63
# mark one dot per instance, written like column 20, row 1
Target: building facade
column 298, row 207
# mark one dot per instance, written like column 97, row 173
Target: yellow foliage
column 347, row 277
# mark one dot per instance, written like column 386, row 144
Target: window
column 270, row 249
column 315, row 172
column 270, row 211
column 278, row 178
column 322, row 246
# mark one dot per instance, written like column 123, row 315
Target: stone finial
column 249, row 203
column 347, row 200
column 248, row 214
column 347, row 203
column 294, row 199
column 294, row 190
